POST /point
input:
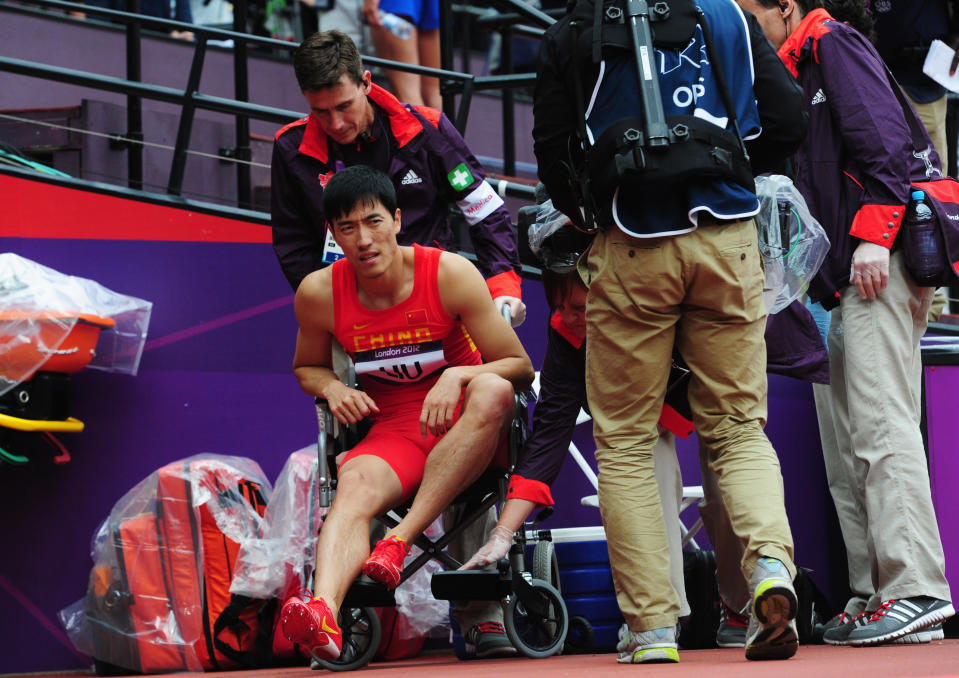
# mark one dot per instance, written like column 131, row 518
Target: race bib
column 402, row 363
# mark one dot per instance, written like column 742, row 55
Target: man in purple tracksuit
column 355, row 122
column 855, row 170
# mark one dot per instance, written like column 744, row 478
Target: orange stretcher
column 40, row 400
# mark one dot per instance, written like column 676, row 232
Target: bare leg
column 428, row 43
column 366, row 487
column 406, row 86
column 463, row 453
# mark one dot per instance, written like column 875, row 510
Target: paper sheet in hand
column 937, row 64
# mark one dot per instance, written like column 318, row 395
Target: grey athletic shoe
column 732, row 627
column 819, row 630
column 647, row 647
column 772, row 620
column 897, row 618
column 838, row 634
column 926, row 635
column 836, row 621
column 488, row 639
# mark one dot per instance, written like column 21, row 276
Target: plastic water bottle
column 923, row 244
column 396, row 25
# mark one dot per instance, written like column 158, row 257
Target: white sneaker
column 772, row 619
column 642, row 647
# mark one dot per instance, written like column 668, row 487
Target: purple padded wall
column 942, row 383
column 202, row 387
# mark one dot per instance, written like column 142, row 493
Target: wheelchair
column 535, row 616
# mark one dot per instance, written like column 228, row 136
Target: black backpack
column 651, row 147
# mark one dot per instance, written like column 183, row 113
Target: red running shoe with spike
column 312, row 625
column 385, row 564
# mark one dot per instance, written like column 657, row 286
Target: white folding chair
column 692, row 494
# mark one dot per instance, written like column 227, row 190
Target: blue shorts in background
column 425, row 14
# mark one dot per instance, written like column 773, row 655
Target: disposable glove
column 500, row 539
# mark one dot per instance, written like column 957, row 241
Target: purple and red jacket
column 427, row 156
column 857, row 163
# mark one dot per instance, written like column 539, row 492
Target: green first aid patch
column 460, row 177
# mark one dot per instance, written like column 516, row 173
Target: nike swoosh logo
column 361, row 326
column 327, row 628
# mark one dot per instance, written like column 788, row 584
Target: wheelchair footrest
column 471, row 585
column 364, row 592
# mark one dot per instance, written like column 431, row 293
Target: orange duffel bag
column 159, row 594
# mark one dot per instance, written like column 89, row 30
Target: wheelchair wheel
column 361, row 638
column 580, row 637
column 537, row 635
column 545, row 565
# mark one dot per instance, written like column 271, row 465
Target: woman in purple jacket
column 855, row 170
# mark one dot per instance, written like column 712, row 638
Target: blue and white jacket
column 768, row 107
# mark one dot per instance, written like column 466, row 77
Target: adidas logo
column 411, row 178
column 819, row 98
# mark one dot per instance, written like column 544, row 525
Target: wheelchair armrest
column 345, row 436
column 329, row 426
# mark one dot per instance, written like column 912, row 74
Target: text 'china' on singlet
column 400, row 352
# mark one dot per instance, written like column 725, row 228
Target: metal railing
column 190, row 98
column 507, row 23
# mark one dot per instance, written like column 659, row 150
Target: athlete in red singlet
column 399, row 354
column 416, row 322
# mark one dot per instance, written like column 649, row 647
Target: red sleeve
column 507, row 284
column 530, row 490
column 675, row 423
column 878, row 224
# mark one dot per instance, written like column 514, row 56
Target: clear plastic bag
column 554, row 241
column 414, row 597
column 792, row 243
column 548, row 221
column 152, row 596
column 282, row 562
column 64, row 323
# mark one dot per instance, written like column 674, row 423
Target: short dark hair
column 357, row 185
column 323, row 58
column 855, row 13
column 558, row 286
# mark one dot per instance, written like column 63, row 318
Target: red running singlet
column 400, row 352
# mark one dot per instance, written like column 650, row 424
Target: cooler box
column 587, row 582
